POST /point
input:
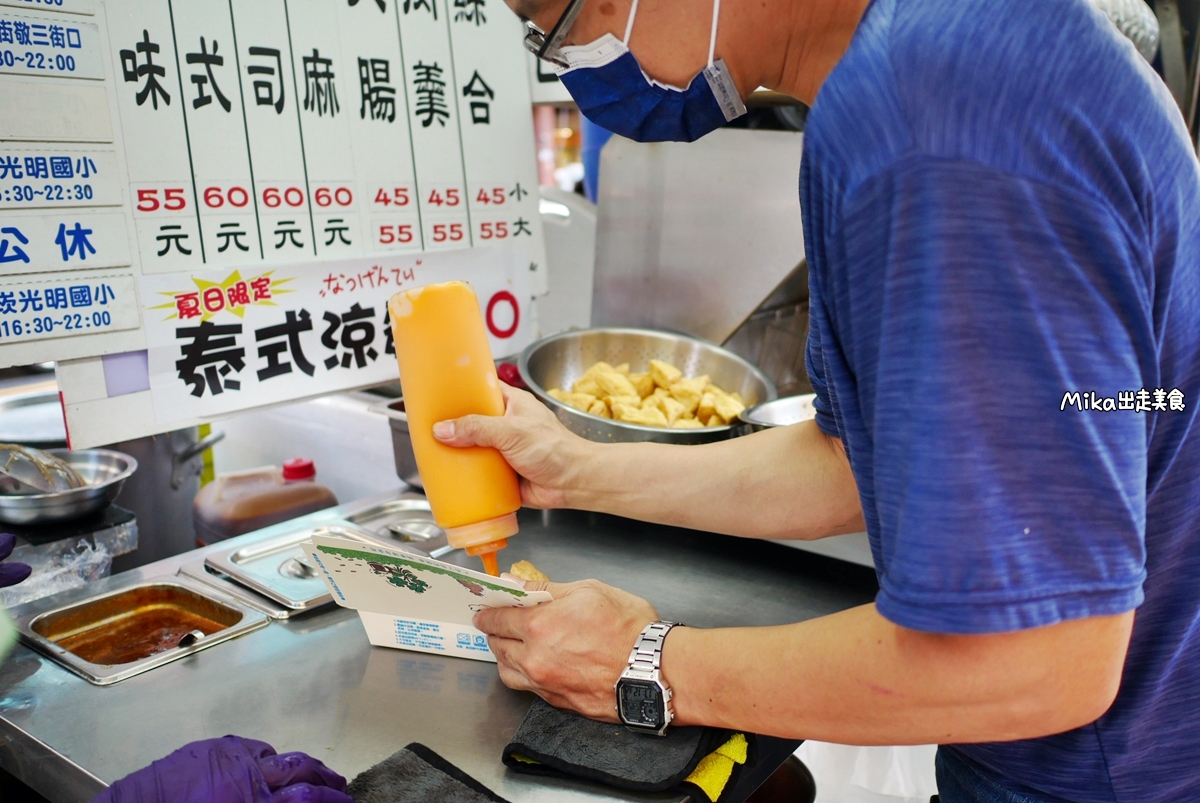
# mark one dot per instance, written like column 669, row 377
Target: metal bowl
column 557, row 361
column 780, row 412
column 105, row 471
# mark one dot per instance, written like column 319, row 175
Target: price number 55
column 396, row 234
column 156, row 199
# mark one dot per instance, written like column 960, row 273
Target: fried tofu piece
column 664, row 374
column 686, row 423
column 600, row 408
column 614, row 384
column 672, row 409
column 715, row 420
column 555, row 393
column 643, row 382
column 649, row 417
column 580, row 401
column 654, row 398
column 587, row 384
column 686, row 394
column 707, row 406
column 598, row 367
column 728, row 407
column 528, row 572
column 623, row 368
column 628, row 401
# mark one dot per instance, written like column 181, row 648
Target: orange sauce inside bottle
column 447, row 372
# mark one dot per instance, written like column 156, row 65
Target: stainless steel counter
column 313, row 683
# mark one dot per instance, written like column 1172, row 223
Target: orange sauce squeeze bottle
column 446, row 370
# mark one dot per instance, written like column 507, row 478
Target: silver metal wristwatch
column 643, row 700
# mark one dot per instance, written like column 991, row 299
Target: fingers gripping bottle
column 446, row 370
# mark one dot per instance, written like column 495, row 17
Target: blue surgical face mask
column 613, row 92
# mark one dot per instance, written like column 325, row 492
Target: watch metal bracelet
column 646, row 655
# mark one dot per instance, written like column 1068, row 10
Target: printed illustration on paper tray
column 412, row 587
column 401, row 573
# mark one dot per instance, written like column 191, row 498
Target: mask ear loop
column 712, row 39
column 629, row 24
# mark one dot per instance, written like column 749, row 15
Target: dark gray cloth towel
column 416, row 774
column 568, row 744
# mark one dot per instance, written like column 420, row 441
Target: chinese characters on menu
column 285, row 130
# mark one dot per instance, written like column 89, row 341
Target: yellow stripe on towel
column 714, row 770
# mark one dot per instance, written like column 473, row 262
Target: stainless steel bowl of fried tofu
column 622, row 385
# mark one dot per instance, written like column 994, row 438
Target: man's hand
column 539, row 448
column 570, row 651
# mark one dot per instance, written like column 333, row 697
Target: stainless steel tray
column 407, row 521
column 278, row 569
column 197, row 571
column 97, row 624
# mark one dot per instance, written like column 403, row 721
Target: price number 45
column 391, row 196
column 449, row 198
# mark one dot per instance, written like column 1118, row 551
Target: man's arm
column 788, row 482
column 856, row 678
column 852, row 677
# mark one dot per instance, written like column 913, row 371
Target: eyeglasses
column 545, row 45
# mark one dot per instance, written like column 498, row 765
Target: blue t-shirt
column 1002, row 210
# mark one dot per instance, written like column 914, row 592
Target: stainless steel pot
column 402, row 450
column 161, row 493
column 105, row 471
column 557, row 361
column 33, row 419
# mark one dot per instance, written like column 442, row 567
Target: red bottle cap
column 511, row 375
column 299, row 468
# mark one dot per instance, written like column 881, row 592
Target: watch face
column 641, row 703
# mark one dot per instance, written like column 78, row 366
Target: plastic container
column 239, row 502
column 447, row 372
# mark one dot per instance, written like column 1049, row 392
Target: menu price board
column 279, row 130
column 151, row 146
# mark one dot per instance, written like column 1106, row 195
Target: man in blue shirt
column 1002, row 222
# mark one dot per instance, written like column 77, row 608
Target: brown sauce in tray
column 147, row 632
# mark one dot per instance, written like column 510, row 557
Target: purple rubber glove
column 11, row 573
column 230, row 770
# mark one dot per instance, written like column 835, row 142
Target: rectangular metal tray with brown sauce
column 115, row 636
